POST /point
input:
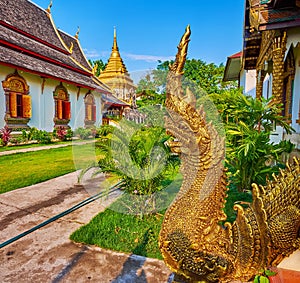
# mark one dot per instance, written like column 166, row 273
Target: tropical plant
column 83, row 133
column 249, row 122
column 43, row 137
column 29, row 135
column 139, row 158
column 5, row 133
column 33, row 134
column 62, row 133
column 251, row 157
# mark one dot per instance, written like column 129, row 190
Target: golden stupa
column 116, row 76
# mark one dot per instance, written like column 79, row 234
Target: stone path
column 47, row 255
column 43, row 147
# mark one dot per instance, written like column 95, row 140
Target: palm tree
column 140, row 159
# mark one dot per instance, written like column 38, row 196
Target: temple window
column 90, row 109
column 18, row 101
column 62, row 114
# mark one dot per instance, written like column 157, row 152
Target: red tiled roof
column 77, row 53
column 19, row 41
column 30, row 41
column 19, row 60
column 31, row 20
column 236, row 55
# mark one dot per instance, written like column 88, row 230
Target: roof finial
column 77, row 32
column 49, row 7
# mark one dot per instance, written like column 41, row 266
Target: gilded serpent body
column 192, row 241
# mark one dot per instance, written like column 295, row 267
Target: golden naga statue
column 194, row 245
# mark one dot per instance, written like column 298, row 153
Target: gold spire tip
column 115, row 45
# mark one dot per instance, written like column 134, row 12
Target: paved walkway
column 47, row 255
column 43, row 147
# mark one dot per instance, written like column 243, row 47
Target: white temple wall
column 248, row 82
column 4, row 71
column 42, row 101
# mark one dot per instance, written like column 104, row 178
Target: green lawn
column 133, row 234
column 109, row 229
column 24, row 169
column 123, row 232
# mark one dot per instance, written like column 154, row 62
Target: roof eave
column 232, row 69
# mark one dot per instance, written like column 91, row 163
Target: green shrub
column 83, row 133
column 250, row 156
column 62, row 133
column 140, row 158
column 41, row 136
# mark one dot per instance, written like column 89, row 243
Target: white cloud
column 147, row 58
column 95, row 54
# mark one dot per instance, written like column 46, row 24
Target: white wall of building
column 267, row 86
column 3, row 73
column 42, row 102
column 248, row 82
column 296, row 92
column 293, row 40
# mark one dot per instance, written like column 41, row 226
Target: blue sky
column 148, row 31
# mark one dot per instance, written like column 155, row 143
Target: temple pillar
column 259, row 83
column 279, row 48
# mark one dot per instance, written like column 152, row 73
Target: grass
column 109, row 229
column 122, row 232
column 24, row 169
column 132, row 234
column 21, row 146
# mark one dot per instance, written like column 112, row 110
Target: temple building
column 116, row 75
column 117, row 78
column 47, row 81
column 268, row 65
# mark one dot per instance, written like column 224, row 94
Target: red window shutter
column 26, row 99
column 67, row 110
column 94, row 112
column 13, row 104
column 86, row 111
column 89, row 112
column 59, row 109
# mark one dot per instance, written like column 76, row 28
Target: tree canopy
column 208, row 77
column 99, row 65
